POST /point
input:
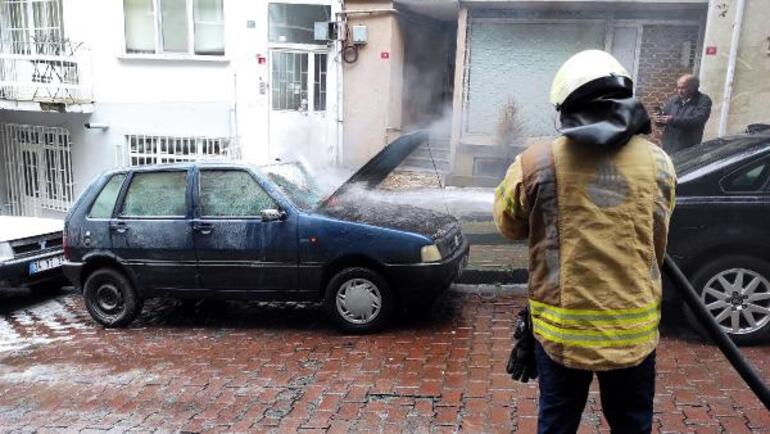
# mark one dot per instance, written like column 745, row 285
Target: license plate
column 46, row 264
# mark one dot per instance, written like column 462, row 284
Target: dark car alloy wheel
column 110, row 298
column 736, row 291
column 359, row 300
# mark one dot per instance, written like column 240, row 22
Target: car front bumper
column 418, row 282
column 16, row 272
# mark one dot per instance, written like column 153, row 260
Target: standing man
column 684, row 116
column 595, row 206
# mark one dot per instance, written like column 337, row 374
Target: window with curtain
column 209, row 27
column 174, row 26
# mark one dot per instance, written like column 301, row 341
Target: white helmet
column 589, row 74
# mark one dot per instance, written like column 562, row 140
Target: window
column 319, row 86
column 144, row 150
column 231, row 193
column 156, row 194
column 295, row 23
column 174, row 26
column 105, row 202
column 31, row 26
column 39, row 164
column 290, row 81
column 750, row 178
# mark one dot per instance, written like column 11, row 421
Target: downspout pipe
column 727, row 94
column 338, row 46
column 369, row 11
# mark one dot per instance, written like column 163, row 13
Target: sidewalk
column 492, row 258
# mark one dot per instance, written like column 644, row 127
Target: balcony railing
column 46, row 71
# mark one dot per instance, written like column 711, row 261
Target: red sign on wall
column 385, row 55
column 711, row 51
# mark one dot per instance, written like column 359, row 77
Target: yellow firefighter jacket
column 597, row 224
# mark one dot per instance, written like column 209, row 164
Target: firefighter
column 595, row 206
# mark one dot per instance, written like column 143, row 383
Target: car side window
column 749, row 178
column 156, row 194
column 231, row 193
column 105, row 201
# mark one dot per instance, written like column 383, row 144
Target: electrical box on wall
column 359, row 35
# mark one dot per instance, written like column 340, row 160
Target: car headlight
column 430, row 253
column 6, row 252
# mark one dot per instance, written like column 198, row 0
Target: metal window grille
column 31, row 26
column 290, row 80
column 142, row 150
column 38, row 163
column 319, row 87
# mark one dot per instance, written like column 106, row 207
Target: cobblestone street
column 249, row 367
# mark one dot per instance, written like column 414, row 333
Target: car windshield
column 296, row 183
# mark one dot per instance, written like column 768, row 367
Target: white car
column 31, row 252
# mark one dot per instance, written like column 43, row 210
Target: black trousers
column 626, row 396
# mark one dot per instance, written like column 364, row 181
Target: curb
column 476, row 276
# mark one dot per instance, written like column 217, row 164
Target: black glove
column 521, row 364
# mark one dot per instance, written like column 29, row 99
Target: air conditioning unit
column 325, row 31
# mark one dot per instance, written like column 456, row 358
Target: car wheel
column 110, row 298
column 736, row 291
column 359, row 300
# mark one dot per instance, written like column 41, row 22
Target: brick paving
column 255, row 367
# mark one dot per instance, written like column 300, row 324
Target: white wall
column 212, row 96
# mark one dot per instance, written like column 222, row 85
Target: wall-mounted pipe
column 727, row 94
column 368, row 11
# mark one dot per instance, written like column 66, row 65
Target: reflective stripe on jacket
column 597, row 224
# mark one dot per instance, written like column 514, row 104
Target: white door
column 298, row 104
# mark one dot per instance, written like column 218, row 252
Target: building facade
column 88, row 85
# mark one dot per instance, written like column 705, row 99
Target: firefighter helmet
column 587, row 75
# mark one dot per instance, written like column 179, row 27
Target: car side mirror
column 271, row 215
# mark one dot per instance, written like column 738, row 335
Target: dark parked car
column 237, row 231
column 31, row 253
column 720, row 230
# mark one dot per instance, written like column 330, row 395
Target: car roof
column 182, row 166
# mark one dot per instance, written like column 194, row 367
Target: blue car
column 236, row 231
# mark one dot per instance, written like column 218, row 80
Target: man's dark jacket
column 687, row 121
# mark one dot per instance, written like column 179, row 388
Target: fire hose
column 744, row 367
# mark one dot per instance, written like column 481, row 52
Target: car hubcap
column 359, row 301
column 109, row 298
column 739, row 300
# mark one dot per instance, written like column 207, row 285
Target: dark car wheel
column 736, row 291
column 359, row 300
column 110, row 298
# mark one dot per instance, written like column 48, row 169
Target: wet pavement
column 259, row 367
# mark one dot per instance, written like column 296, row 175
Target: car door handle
column 119, row 227
column 203, row 228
